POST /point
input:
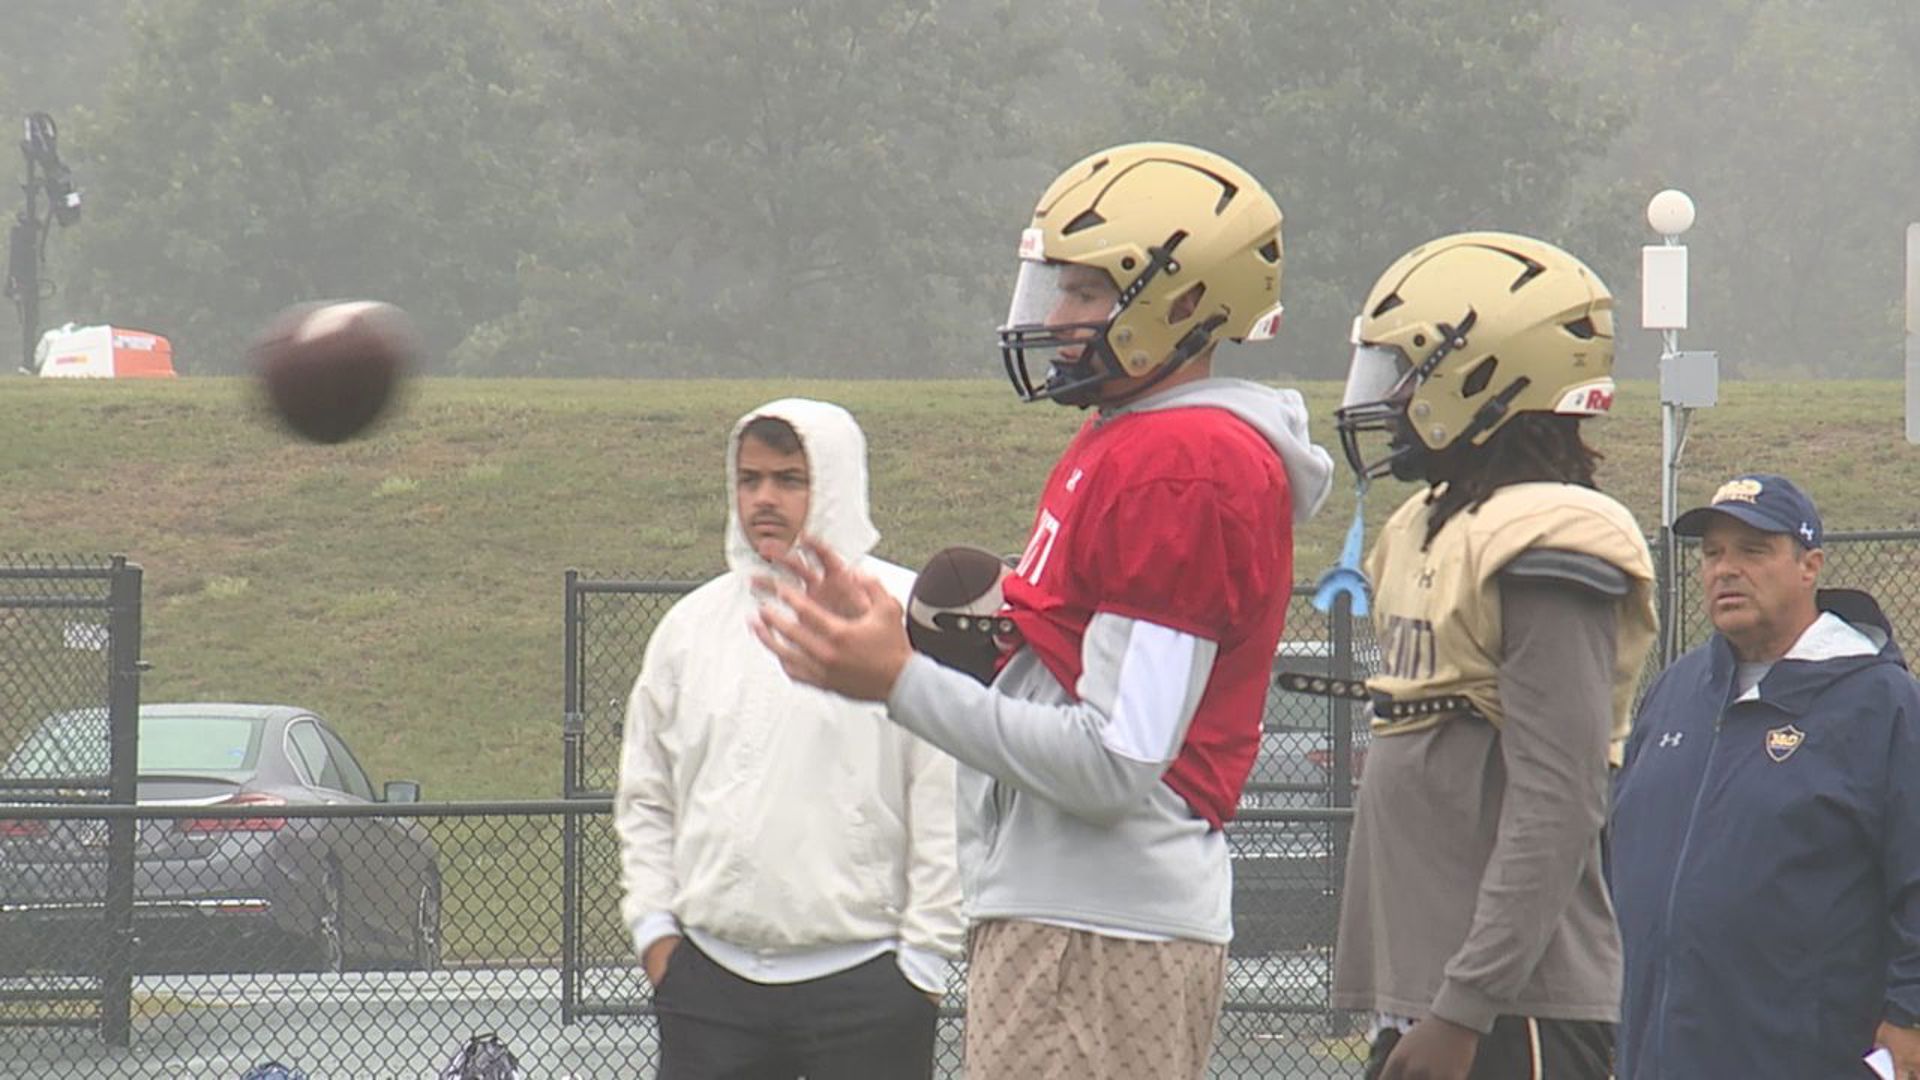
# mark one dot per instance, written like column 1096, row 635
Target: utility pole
column 23, row 275
column 1913, row 333
column 1687, row 381
column 48, row 177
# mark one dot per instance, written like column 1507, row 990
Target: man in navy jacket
column 1766, row 825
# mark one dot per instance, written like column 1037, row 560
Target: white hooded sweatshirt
column 789, row 832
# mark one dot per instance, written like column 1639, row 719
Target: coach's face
column 1758, row 586
column 773, row 489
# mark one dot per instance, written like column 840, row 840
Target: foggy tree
column 251, row 156
column 1794, row 132
column 55, row 54
column 1377, row 124
column 662, row 187
column 791, row 188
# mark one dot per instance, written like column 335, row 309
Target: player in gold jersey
column 1513, row 604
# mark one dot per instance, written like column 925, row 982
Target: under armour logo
column 1806, row 532
column 1426, row 578
column 1672, row 738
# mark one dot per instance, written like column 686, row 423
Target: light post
column 27, row 239
column 1687, row 380
column 1913, row 333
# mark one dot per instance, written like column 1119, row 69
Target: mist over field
column 835, row 188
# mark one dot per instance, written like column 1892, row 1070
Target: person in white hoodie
column 1101, row 765
column 787, row 855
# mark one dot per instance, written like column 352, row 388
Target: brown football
column 953, row 612
column 329, row 370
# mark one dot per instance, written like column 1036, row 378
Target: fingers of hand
column 796, row 562
column 757, row 622
column 793, row 659
column 806, row 613
column 831, row 564
column 879, row 599
column 779, row 631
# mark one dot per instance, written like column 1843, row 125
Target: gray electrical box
column 1690, row 380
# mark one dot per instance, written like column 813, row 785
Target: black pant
column 868, row 1023
column 1519, row 1048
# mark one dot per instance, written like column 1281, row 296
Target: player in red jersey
column 1099, row 767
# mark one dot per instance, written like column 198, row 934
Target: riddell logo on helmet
column 1267, row 325
column 1587, row 400
column 1033, row 245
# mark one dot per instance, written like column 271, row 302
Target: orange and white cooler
column 104, row 352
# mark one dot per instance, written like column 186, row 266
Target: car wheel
column 426, row 926
column 331, row 932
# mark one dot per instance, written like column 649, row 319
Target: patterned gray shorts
column 1045, row 1001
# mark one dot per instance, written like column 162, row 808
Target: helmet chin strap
column 1084, row 379
column 1488, row 416
column 1190, row 346
column 1079, row 383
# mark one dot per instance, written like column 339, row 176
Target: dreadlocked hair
column 1529, row 448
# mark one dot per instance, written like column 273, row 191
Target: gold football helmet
column 1189, row 246
column 1463, row 333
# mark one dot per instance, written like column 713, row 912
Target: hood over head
column 836, row 452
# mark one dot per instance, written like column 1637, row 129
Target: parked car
column 1287, row 873
column 254, row 892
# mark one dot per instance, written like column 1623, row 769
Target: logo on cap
column 1741, row 490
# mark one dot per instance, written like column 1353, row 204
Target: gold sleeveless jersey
column 1437, row 612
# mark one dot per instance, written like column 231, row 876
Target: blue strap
column 1347, row 577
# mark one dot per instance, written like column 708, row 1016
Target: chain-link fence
column 1288, row 844
column 1883, row 564
column 374, row 938
column 357, row 940
column 69, row 658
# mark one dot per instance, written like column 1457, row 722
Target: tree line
column 835, row 187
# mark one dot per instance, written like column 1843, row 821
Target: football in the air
column 329, row 370
column 953, row 612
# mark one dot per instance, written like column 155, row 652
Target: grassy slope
column 409, row 585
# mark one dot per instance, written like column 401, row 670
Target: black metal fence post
column 572, row 728
column 1340, row 831
column 123, row 725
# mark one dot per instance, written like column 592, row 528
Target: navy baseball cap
column 1766, row 502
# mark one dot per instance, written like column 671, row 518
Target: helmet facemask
column 1412, row 398
column 1380, row 385
column 1042, row 292
column 1186, row 246
column 1383, row 386
column 1062, row 306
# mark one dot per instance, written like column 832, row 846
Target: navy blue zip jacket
column 1765, row 860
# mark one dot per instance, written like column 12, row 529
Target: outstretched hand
column 825, row 576
column 838, row 629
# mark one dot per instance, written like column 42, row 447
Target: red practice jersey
column 1180, row 517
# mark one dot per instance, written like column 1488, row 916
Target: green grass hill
column 409, row 585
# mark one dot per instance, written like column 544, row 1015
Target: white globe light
column 1670, row 212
